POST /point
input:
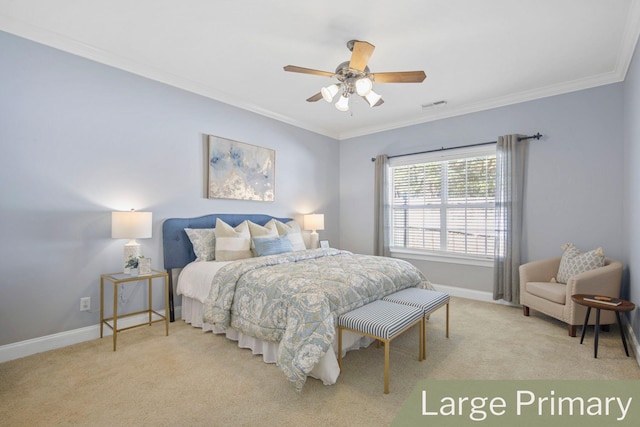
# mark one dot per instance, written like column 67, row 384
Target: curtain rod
column 522, row 138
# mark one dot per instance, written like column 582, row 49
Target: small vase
column 133, row 272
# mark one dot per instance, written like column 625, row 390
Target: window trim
column 446, row 257
column 439, row 156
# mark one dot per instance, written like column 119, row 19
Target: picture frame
column 239, row 171
column 144, row 266
column 324, row 244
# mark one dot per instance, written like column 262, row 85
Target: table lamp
column 314, row 222
column 131, row 225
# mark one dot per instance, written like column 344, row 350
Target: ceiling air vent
column 434, row 105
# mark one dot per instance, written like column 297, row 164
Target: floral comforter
column 296, row 298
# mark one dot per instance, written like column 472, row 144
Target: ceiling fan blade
column 314, row 98
column 303, row 70
column 360, row 55
column 399, row 77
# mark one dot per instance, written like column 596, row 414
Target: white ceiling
column 476, row 54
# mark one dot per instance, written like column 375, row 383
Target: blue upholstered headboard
column 176, row 246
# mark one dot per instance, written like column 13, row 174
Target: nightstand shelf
column 118, row 278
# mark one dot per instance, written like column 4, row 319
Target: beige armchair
column 554, row 299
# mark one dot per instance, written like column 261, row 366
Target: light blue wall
column 573, row 185
column 79, row 139
column 631, row 284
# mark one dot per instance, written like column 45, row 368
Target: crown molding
column 83, row 50
column 452, row 111
column 76, row 47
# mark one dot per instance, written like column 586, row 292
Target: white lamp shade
column 372, row 98
column 364, row 86
column 329, row 92
column 343, row 103
column 131, row 225
column 314, row 222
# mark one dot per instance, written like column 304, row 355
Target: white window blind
column 444, row 202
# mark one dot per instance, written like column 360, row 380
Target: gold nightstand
column 118, row 278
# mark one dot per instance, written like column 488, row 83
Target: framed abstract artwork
column 240, row 171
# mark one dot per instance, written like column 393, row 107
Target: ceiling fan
column 355, row 77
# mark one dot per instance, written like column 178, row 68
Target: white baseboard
column 632, row 341
column 471, row 294
column 63, row 339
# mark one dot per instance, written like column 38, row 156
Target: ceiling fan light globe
column 372, row 98
column 343, row 103
column 364, row 86
column 329, row 92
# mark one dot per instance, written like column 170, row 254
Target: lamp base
column 314, row 240
column 131, row 250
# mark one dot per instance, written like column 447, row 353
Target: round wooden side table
column 602, row 303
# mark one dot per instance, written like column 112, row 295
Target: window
column 444, row 202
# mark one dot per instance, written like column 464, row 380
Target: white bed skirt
column 326, row 370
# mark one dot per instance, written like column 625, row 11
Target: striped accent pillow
column 293, row 232
column 232, row 243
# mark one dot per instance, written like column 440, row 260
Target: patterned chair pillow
column 574, row 262
column 203, row 241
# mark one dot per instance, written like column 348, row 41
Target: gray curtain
column 510, row 169
column 381, row 209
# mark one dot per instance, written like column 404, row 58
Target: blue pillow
column 272, row 245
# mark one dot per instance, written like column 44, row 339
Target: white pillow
column 268, row 230
column 293, row 232
column 232, row 243
column 203, row 241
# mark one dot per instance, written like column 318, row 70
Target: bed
column 281, row 305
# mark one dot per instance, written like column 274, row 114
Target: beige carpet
column 193, row 378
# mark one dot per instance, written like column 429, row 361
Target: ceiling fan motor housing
column 348, row 77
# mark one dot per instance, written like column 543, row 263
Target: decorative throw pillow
column 574, row 262
column 232, row 243
column 268, row 230
column 293, row 232
column 203, row 241
column 272, row 245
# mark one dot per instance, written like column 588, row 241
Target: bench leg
column 340, row 347
column 423, row 339
column 447, row 320
column 386, row 367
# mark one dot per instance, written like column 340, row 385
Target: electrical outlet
column 85, row 304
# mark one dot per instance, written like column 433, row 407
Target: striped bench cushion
column 381, row 318
column 424, row 299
